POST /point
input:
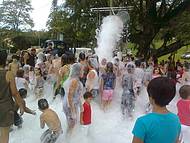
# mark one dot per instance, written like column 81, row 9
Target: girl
column 92, row 82
column 156, row 73
column 186, row 75
column 183, row 106
column 107, row 85
column 128, row 96
column 39, row 83
column 72, row 99
column 14, row 65
column 21, row 82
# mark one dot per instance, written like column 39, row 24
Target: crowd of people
column 81, row 80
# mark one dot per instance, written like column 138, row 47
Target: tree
column 164, row 20
column 159, row 19
column 76, row 21
column 15, row 15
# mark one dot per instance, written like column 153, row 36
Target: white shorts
column 85, row 129
column 185, row 133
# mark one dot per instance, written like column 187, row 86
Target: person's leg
column 4, row 134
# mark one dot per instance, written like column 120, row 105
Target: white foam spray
column 108, row 36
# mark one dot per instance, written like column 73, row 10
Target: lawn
column 165, row 57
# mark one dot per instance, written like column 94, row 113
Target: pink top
column 184, row 111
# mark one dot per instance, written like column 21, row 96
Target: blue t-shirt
column 108, row 79
column 157, row 128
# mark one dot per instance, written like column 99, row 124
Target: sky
column 40, row 13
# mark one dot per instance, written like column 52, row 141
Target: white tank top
column 95, row 82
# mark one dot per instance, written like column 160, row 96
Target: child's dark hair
column 15, row 57
column 109, row 67
column 162, row 90
column 43, row 104
column 3, row 57
column 23, row 93
column 184, row 91
column 82, row 56
column 87, row 95
column 64, row 59
column 20, row 73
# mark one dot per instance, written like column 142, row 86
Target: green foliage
column 15, row 15
column 76, row 21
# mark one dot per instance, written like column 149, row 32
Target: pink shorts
column 107, row 95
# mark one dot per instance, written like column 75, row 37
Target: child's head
column 23, row 93
column 87, row 96
column 38, row 71
column 184, row 91
column 15, row 58
column 161, row 90
column 43, row 104
column 156, row 70
column 20, row 73
column 109, row 67
column 130, row 67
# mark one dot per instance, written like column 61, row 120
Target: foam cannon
column 124, row 15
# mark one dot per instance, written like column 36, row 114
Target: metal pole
column 111, row 5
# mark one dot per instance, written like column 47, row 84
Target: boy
column 17, row 118
column 183, row 106
column 160, row 126
column 51, row 119
column 85, row 115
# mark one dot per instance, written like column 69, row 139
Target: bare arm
column 42, row 123
column 137, row 140
column 10, row 78
column 81, row 118
column 72, row 90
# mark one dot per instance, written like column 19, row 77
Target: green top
column 66, row 75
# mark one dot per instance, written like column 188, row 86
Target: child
column 160, row 126
column 108, row 85
column 85, row 115
column 21, row 82
column 128, row 97
column 183, row 106
column 17, row 118
column 156, row 73
column 51, row 119
column 14, row 66
column 39, row 83
column 22, row 86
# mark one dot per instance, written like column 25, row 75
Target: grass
column 165, row 57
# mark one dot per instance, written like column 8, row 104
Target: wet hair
column 23, row 93
column 184, row 91
column 82, row 56
column 138, row 63
column 87, row 95
column 3, row 57
column 109, row 67
column 71, row 58
column 20, row 73
column 75, row 70
column 130, row 67
column 15, row 57
column 93, row 63
column 64, row 59
column 162, row 90
column 43, row 104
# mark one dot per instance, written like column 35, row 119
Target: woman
column 8, row 90
column 72, row 99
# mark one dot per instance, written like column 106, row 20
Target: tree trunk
column 164, row 50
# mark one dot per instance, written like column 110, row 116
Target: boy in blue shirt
column 160, row 126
